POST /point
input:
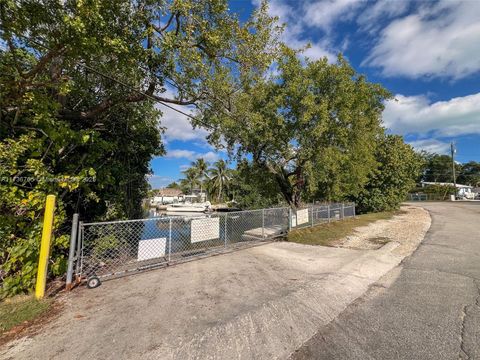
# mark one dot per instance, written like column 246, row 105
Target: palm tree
column 219, row 178
column 191, row 178
column 201, row 166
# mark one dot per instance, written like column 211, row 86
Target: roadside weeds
column 331, row 234
column 23, row 314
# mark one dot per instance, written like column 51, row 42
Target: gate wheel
column 93, row 282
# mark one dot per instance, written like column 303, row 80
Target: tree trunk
column 288, row 191
column 219, row 192
column 291, row 193
column 291, row 188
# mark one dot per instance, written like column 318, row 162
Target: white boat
column 189, row 207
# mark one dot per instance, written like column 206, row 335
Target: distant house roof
column 169, row 192
column 459, row 186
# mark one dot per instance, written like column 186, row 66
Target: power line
column 131, row 87
column 145, row 94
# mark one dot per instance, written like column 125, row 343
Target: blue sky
column 427, row 53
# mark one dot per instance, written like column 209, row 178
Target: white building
column 167, row 196
column 463, row 191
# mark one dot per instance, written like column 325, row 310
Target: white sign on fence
column 205, row 229
column 151, row 248
column 302, row 216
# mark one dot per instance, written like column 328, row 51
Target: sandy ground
column 257, row 303
column 407, row 229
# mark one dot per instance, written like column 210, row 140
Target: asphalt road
column 427, row 308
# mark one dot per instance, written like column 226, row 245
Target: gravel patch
column 408, row 228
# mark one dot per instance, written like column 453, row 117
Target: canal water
column 178, row 229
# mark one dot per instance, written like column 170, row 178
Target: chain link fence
column 428, row 197
column 109, row 249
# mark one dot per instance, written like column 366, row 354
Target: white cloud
column 181, row 154
column 324, row 13
column 439, row 40
column 311, row 22
column 431, row 146
column 371, row 18
column 209, row 156
column 157, row 181
column 296, row 28
column 178, row 126
column 416, row 114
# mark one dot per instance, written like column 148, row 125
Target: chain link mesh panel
column 256, row 224
column 118, row 247
column 319, row 214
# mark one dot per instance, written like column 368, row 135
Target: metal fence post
column 328, row 211
column 225, row 230
column 79, row 249
column 343, row 211
column 353, row 206
column 169, row 239
column 263, row 224
column 311, row 214
column 289, row 219
column 71, row 253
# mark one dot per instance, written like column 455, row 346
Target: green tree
column 313, row 124
column 191, row 180
column 201, row 168
column 398, row 168
column 438, row 168
column 219, row 179
column 253, row 188
column 173, row 185
column 469, row 174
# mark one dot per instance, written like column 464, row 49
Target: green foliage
column 219, row 180
column 253, row 188
column 469, row 174
column 388, row 185
column 215, row 180
column 191, row 180
column 21, row 208
column 436, row 192
column 173, row 185
column 438, row 168
column 313, row 126
column 104, row 246
column 200, row 166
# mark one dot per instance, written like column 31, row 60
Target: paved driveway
column 258, row 303
column 429, row 308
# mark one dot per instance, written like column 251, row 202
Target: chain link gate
column 114, row 248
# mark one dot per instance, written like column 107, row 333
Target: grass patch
column 19, row 309
column 330, row 233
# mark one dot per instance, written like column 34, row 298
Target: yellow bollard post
column 45, row 247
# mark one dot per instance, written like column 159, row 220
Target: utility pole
column 453, row 151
